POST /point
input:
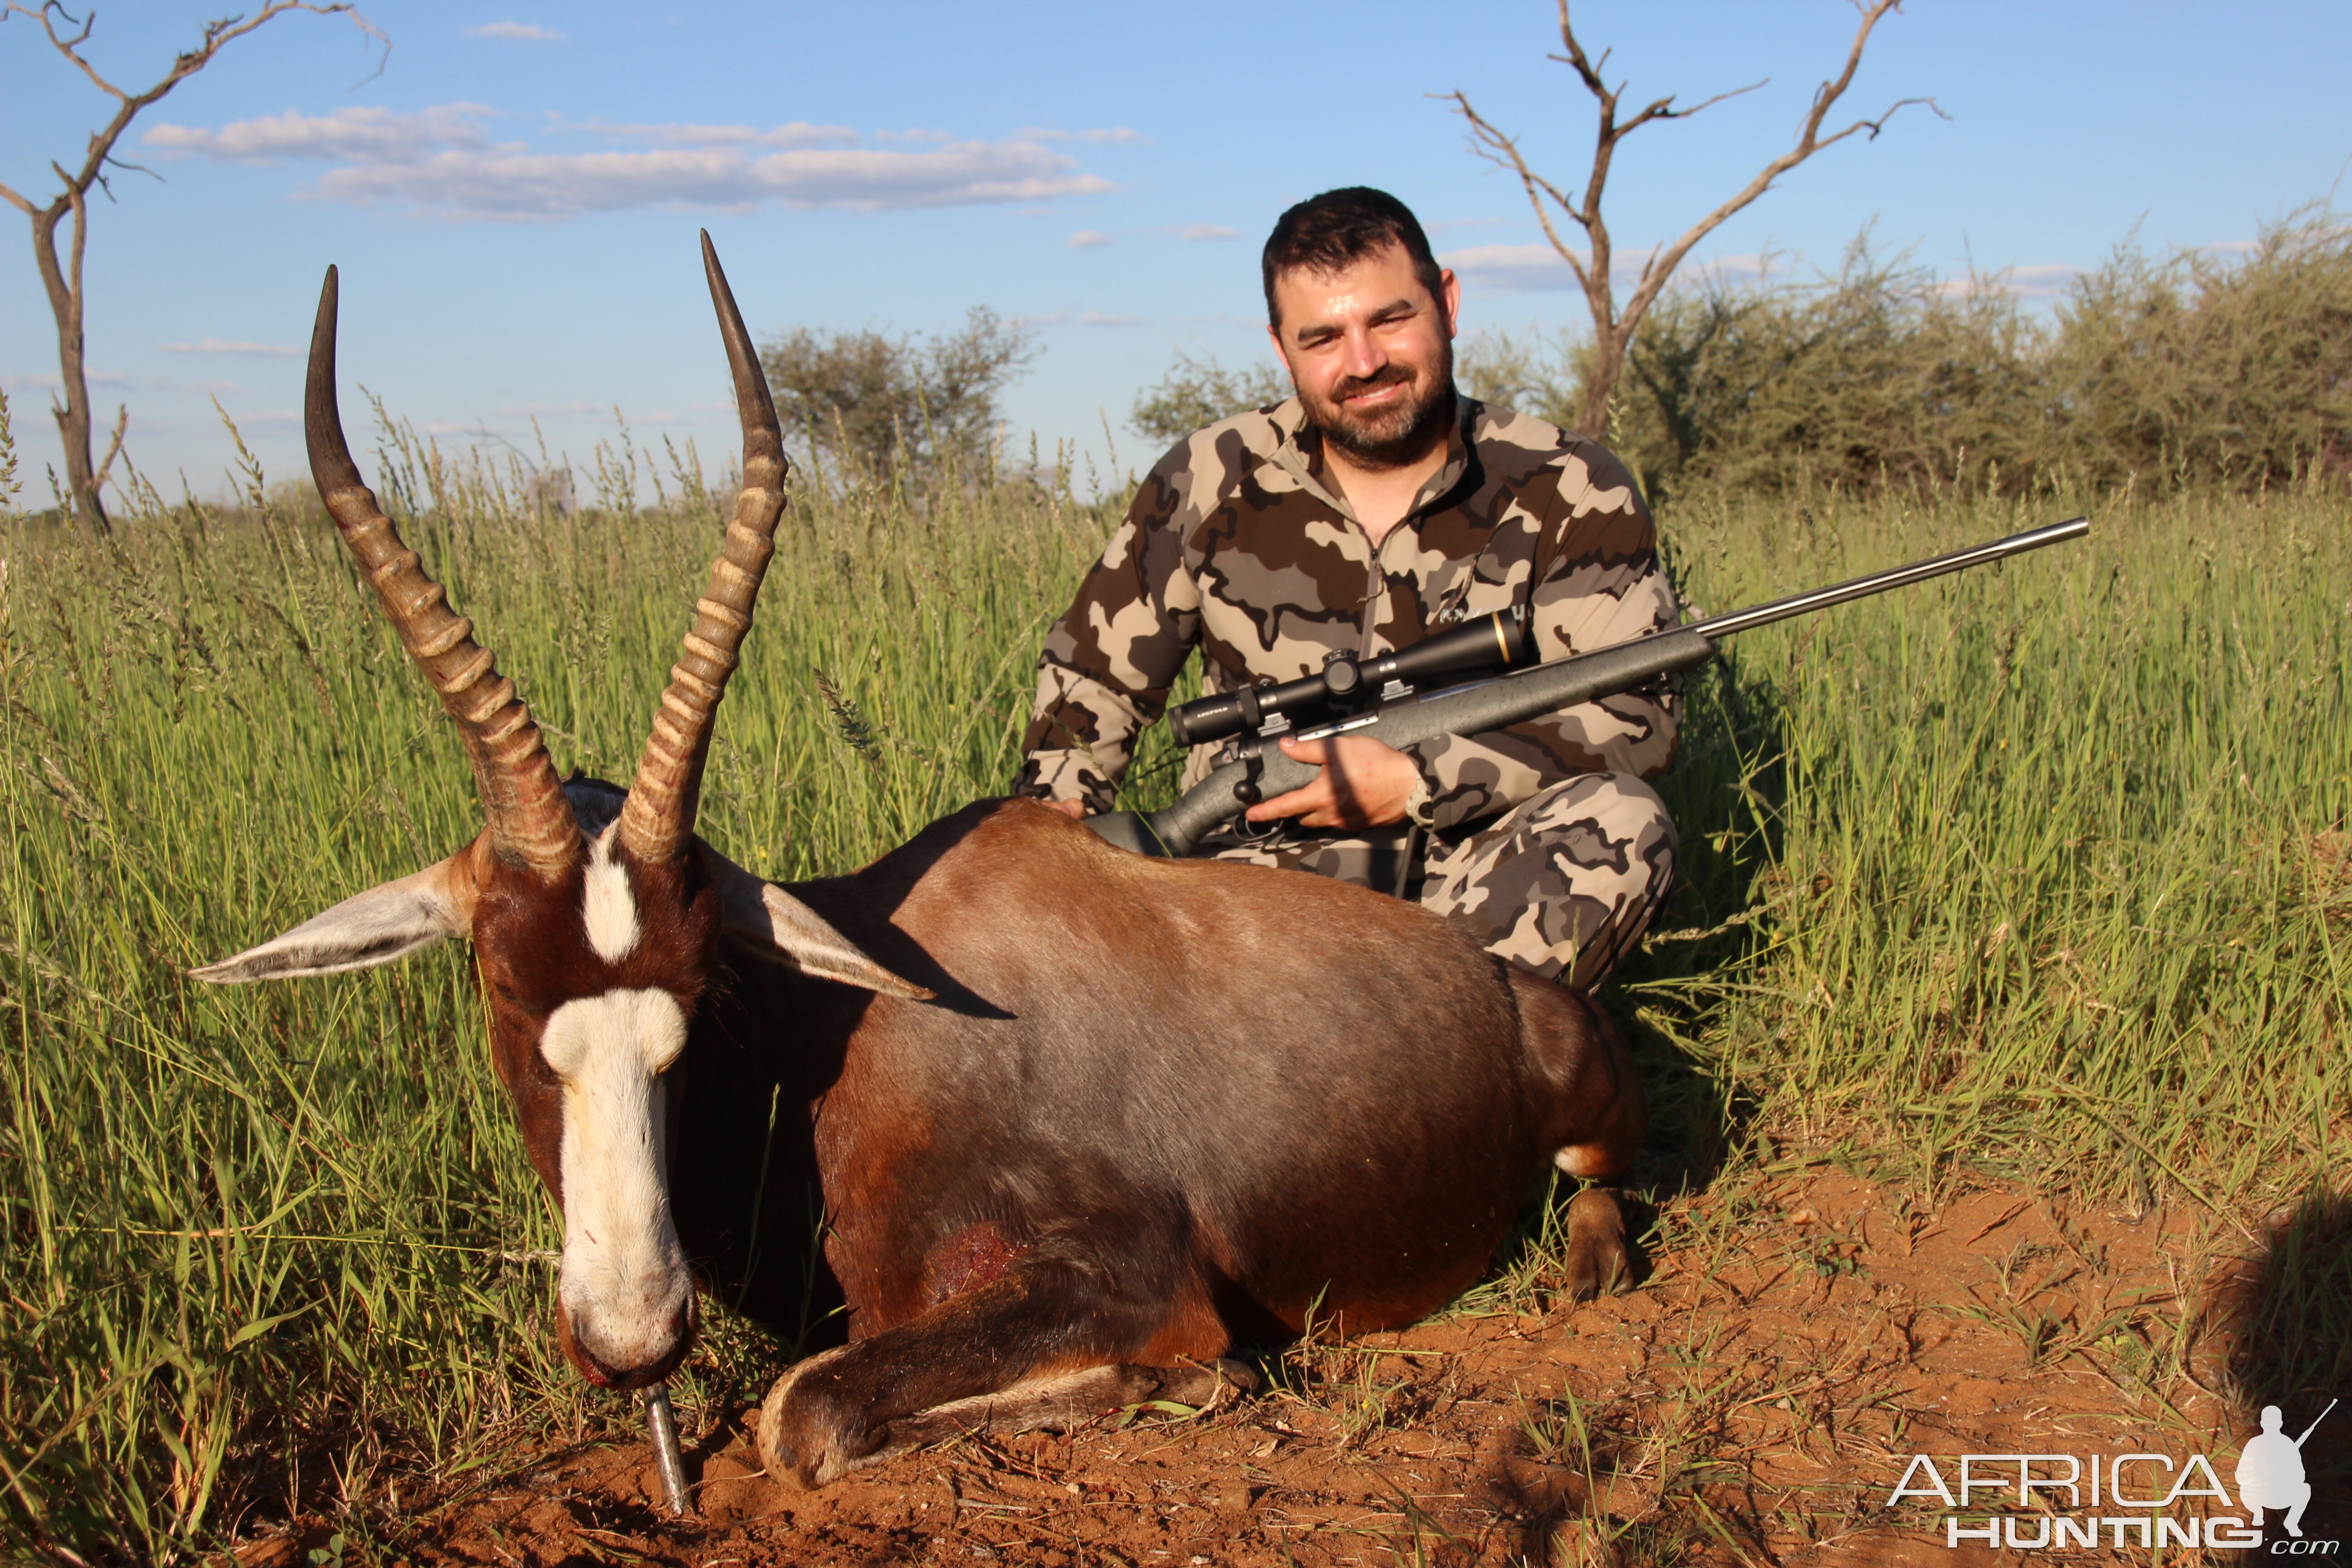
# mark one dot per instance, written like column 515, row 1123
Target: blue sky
column 513, row 198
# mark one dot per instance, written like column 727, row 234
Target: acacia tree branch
column 134, row 168
column 1668, row 112
column 1664, row 261
column 1587, row 70
column 1504, row 153
column 1809, row 140
column 1612, row 328
column 114, row 448
column 79, row 242
column 1491, row 143
column 219, row 34
column 64, row 284
column 66, row 47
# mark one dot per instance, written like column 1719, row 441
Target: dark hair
column 1328, row 232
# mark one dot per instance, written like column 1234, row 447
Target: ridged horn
column 658, row 818
column 530, row 820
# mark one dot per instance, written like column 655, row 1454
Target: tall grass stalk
column 2043, row 870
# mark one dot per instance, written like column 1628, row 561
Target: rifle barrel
column 1898, row 578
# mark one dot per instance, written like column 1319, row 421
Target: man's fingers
column 1315, row 795
column 1312, row 797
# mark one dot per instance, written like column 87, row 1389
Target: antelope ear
column 777, row 925
column 386, row 922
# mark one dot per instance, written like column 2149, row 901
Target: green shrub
column 2194, row 369
column 2210, row 368
column 1879, row 378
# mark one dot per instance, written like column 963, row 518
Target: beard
column 1395, row 436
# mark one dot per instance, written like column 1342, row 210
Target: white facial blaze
column 611, row 909
column 624, row 1279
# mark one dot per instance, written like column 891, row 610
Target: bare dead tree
column 64, row 281
column 1612, row 330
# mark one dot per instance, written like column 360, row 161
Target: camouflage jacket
column 1235, row 544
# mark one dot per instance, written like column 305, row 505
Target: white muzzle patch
column 623, row 1282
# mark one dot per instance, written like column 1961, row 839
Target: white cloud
column 352, row 135
column 1097, row 319
column 522, row 185
column 528, row 32
column 1088, row 238
column 1204, row 231
column 1539, row 267
column 799, row 133
column 1111, row 133
column 441, row 162
column 1510, row 267
column 2036, row 281
column 245, row 350
column 56, row 384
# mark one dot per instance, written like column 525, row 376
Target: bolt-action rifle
column 1378, row 697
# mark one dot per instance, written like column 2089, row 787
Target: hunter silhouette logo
column 2270, row 1472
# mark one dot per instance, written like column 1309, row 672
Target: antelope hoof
column 807, row 1438
column 1212, row 1385
column 812, row 1432
column 1598, row 1261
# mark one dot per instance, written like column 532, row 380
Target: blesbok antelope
column 1080, row 1120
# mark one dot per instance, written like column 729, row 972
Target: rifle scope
column 1490, row 642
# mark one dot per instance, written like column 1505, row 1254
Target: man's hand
column 1364, row 783
column 1075, row 810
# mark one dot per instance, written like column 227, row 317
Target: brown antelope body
column 1080, row 1120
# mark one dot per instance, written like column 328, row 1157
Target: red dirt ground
column 1755, row 1401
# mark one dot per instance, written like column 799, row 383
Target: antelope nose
column 641, row 1371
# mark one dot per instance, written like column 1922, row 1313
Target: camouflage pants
column 1563, row 884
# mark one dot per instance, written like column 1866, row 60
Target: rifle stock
column 1513, row 698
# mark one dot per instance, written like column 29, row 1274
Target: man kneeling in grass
column 1376, row 508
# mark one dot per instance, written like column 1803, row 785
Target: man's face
column 1371, row 352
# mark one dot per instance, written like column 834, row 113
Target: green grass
column 2042, row 871
column 2045, row 869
